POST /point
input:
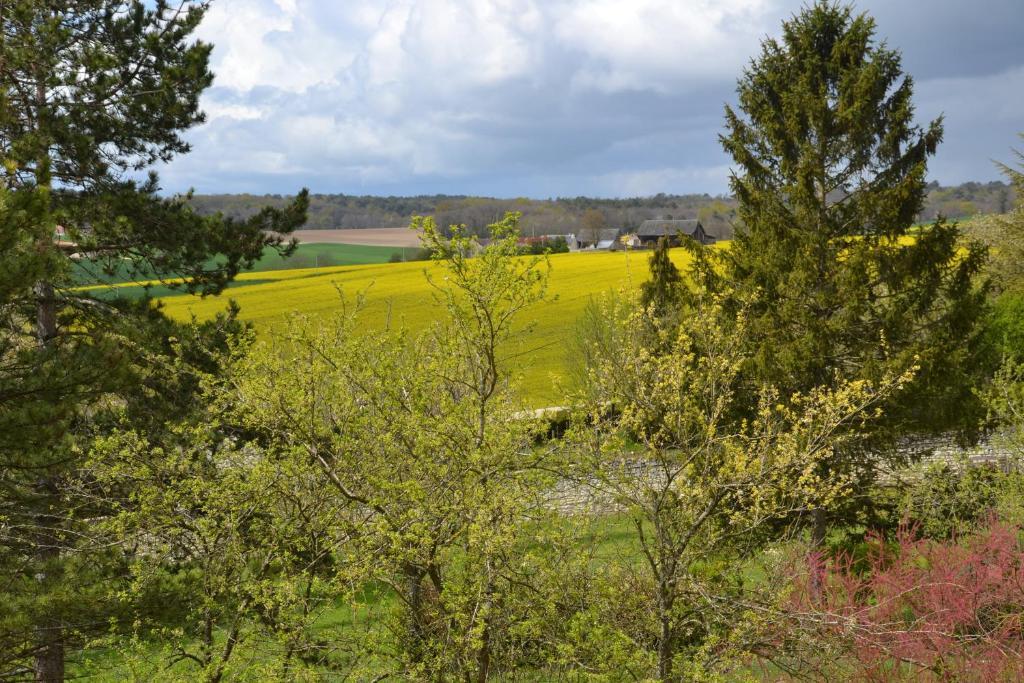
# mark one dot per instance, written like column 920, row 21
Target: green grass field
column 399, row 293
column 312, row 255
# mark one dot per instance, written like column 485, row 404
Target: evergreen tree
column 837, row 281
column 662, row 291
column 1004, row 234
column 93, row 93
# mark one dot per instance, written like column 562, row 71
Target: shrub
column 924, row 610
column 1004, row 330
column 949, row 501
column 558, row 245
column 536, row 246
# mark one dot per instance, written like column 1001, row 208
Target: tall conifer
column 836, row 280
column 92, row 94
column 662, row 291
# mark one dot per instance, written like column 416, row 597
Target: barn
column 651, row 231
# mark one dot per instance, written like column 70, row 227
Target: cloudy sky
column 546, row 98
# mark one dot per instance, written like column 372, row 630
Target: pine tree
column 836, row 280
column 662, row 291
column 94, row 92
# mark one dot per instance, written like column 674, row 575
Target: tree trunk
column 46, row 313
column 665, row 645
column 819, row 530
column 414, row 600
column 49, row 631
column 49, row 660
column 820, row 527
column 665, row 650
column 49, row 664
column 483, row 656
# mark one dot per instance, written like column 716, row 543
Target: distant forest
column 568, row 215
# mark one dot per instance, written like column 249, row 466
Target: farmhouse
column 651, row 231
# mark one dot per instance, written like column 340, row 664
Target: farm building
column 597, row 239
column 651, row 231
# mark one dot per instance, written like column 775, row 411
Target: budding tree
column 701, row 491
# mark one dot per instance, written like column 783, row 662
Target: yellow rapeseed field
column 400, row 294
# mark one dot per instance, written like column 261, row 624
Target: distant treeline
column 568, row 215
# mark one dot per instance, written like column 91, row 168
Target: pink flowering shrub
column 924, row 610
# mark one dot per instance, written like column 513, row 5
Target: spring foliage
column 421, row 443
column 700, row 490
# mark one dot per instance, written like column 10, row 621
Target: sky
column 548, row 98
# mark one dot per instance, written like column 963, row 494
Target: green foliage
column 1002, row 341
column 1004, row 397
column 421, row 444
column 556, row 245
column 1003, row 233
column 482, row 295
column 95, row 92
column 596, row 334
column 702, row 491
column 239, row 547
column 663, row 291
column 134, row 366
column 836, row 283
column 223, row 555
column 80, row 110
column 951, row 501
column 203, row 503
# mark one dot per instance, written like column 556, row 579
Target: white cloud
column 602, row 96
column 215, row 109
column 442, row 45
column 274, row 43
column 658, row 43
column 293, row 44
column 442, row 87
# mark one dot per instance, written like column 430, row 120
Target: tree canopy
column 837, row 280
column 93, row 94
